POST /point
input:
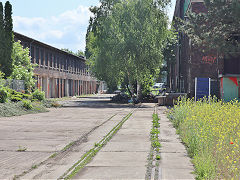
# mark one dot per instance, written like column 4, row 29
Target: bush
column 3, row 95
column 27, row 104
column 16, row 98
column 39, row 95
column 27, row 96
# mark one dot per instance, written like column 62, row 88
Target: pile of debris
column 120, row 98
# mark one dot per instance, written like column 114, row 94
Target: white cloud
column 66, row 30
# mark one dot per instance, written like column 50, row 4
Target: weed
column 27, row 104
column 158, row 157
column 21, row 149
column 53, row 155
column 68, row 146
column 210, row 129
column 34, row 166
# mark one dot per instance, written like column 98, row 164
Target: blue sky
column 62, row 24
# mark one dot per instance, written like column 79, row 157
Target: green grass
column 21, row 149
column 53, row 155
column 16, row 109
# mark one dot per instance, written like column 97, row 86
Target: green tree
column 217, row 30
column 7, row 66
column 78, row 53
column 22, row 66
column 125, row 40
column 1, row 36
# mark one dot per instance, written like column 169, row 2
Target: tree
column 169, row 52
column 78, row 53
column 2, row 35
column 217, row 30
column 22, row 66
column 7, row 66
column 125, row 40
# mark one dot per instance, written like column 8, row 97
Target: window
column 46, row 58
column 54, row 61
column 37, row 55
column 32, row 54
column 42, row 56
column 51, row 60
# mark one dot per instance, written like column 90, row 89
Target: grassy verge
column 88, row 156
column 211, row 131
column 17, row 108
column 70, row 98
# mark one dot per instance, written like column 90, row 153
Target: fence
column 14, row 84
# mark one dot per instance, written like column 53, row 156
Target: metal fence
column 14, row 84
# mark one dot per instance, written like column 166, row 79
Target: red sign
column 209, row 59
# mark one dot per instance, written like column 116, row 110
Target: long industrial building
column 57, row 72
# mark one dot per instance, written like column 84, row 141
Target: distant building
column 192, row 63
column 58, row 73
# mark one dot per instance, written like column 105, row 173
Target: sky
column 59, row 23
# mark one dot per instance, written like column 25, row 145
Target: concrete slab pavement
column 174, row 163
column 125, row 155
column 46, row 133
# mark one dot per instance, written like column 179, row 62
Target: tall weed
column 211, row 131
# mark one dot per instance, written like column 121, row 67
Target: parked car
column 158, row 89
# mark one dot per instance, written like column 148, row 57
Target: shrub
column 27, row 104
column 3, row 95
column 39, row 95
column 27, row 96
column 15, row 98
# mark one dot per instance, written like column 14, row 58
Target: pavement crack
column 50, row 161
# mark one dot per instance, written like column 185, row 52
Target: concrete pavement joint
column 65, row 150
column 88, row 156
column 154, row 155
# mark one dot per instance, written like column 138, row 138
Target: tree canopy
column 218, row 29
column 6, row 39
column 78, row 53
column 125, row 40
column 22, row 66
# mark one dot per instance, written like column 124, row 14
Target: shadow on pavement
column 96, row 102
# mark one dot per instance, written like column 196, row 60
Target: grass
column 68, row 146
column 155, row 134
column 16, row 109
column 21, row 149
column 211, row 131
column 34, row 166
column 53, row 155
column 70, row 98
column 154, row 155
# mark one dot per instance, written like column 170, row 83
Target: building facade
column 57, row 72
column 192, row 63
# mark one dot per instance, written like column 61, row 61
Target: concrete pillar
column 78, row 87
column 67, row 87
column 48, row 88
column 81, row 87
column 59, row 88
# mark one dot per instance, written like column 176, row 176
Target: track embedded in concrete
column 92, row 152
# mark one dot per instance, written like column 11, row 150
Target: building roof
column 48, row 46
